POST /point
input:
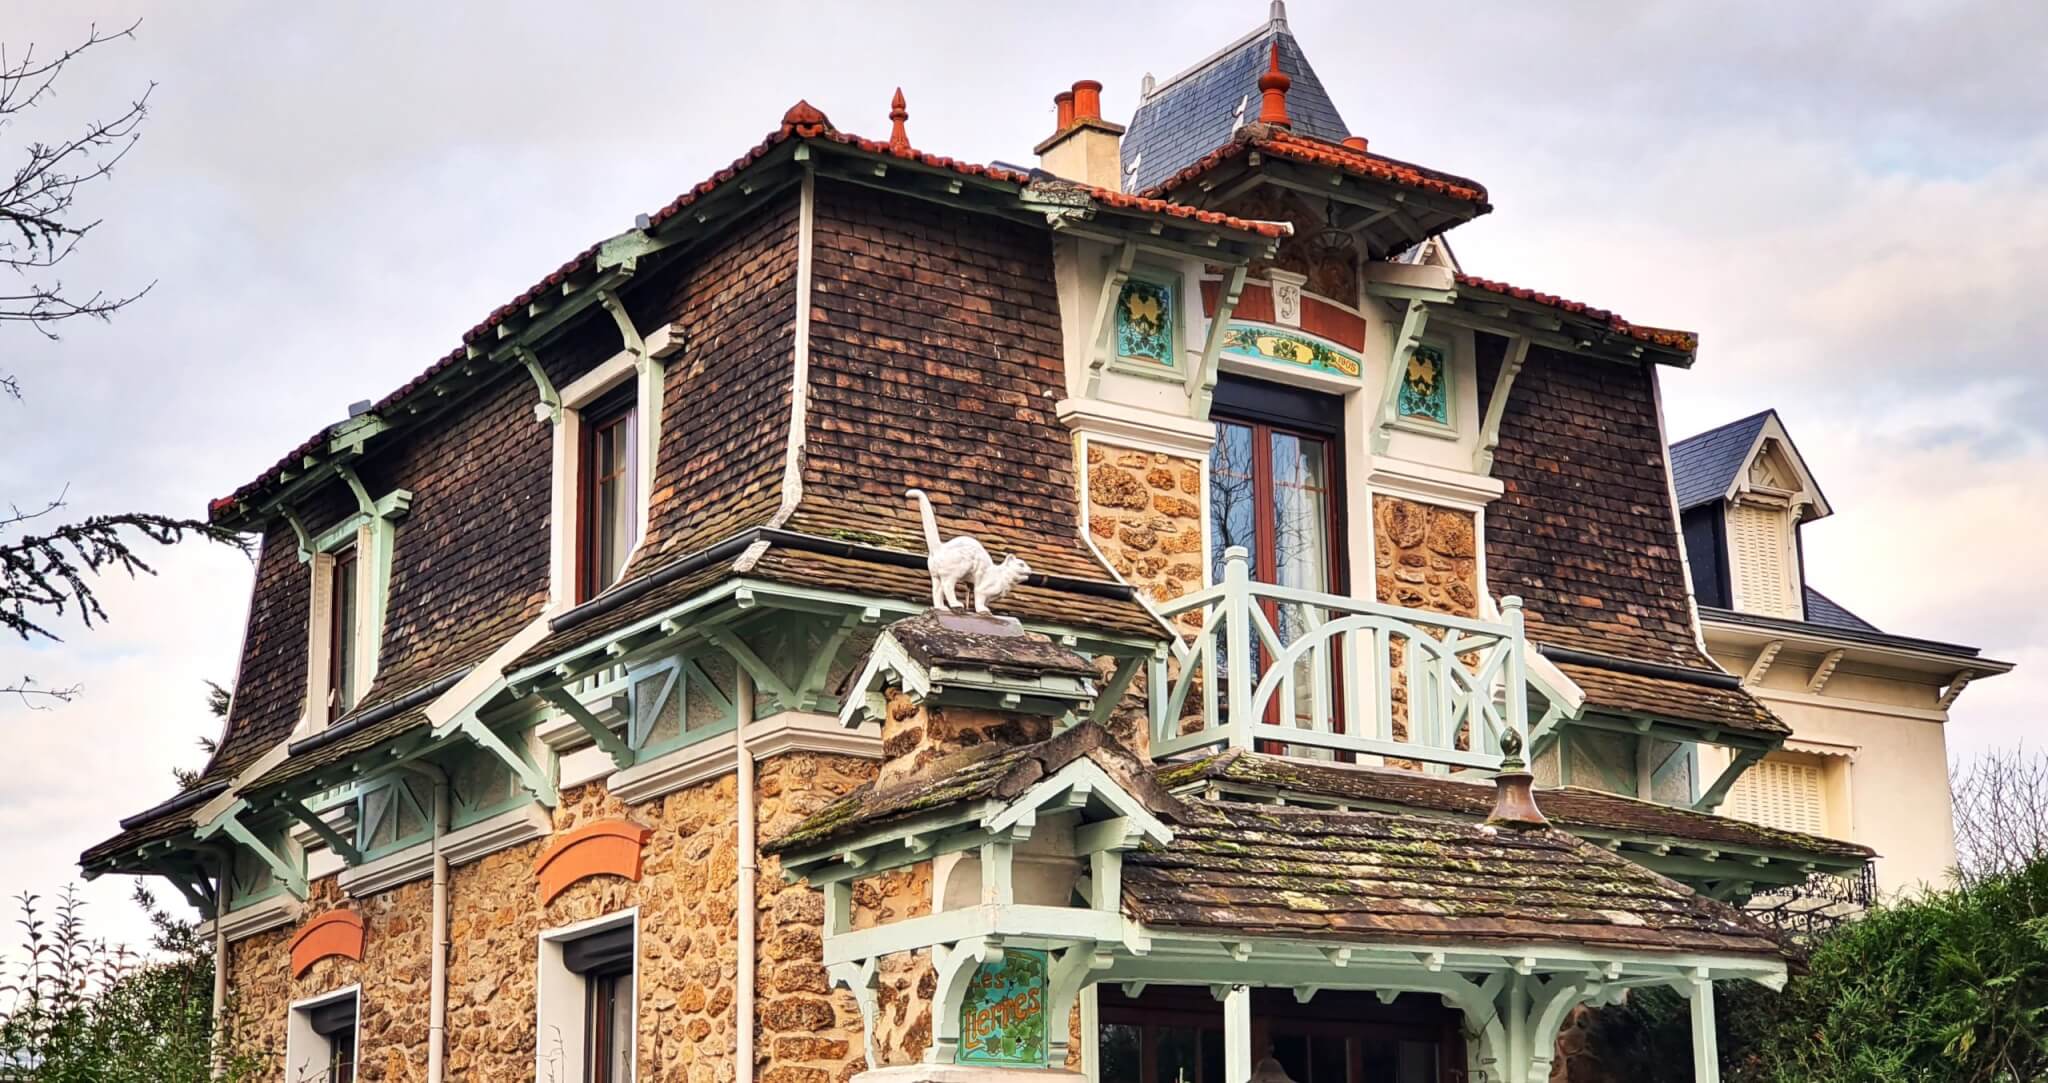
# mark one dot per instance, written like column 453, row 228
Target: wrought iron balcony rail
column 1320, row 674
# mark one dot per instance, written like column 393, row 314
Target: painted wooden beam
column 1718, row 792
column 319, row 826
column 1412, row 327
column 603, row 735
column 1825, row 670
column 1762, row 665
column 1497, row 404
column 532, row 778
column 1955, row 688
column 1102, row 329
column 1201, row 385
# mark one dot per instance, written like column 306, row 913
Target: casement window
column 342, row 642
column 1786, row 795
column 321, row 1038
column 587, row 1001
column 607, row 492
column 1274, row 488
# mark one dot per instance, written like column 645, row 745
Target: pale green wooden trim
column 1497, row 405
column 1112, row 692
column 290, row 878
column 536, row 782
column 815, row 675
column 1718, row 792
column 350, row 855
column 695, row 677
column 764, row 674
column 1201, row 386
column 1413, row 324
column 1074, row 786
column 1103, row 328
column 601, row 734
column 550, row 398
column 1052, row 924
column 299, row 531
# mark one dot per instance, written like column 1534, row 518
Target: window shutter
column 1763, row 572
column 1787, row 796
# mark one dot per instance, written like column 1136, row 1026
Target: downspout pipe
column 218, row 1058
column 743, row 1009
column 437, row 978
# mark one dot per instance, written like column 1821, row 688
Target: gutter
column 808, row 543
column 197, row 795
column 1633, row 667
column 421, row 695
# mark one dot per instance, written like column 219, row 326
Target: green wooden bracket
column 764, row 675
column 318, row 826
column 628, row 334
column 813, row 687
column 622, row 756
column 1112, row 693
column 1103, row 329
column 1497, row 404
column 200, row 899
column 550, row 407
column 364, row 505
column 532, row 778
column 299, row 529
column 1718, row 792
column 293, row 879
column 1412, row 327
column 1202, row 379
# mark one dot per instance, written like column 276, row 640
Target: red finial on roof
column 899, row 140
column 1355, row 142
column 804, row 115
column 1273, row 94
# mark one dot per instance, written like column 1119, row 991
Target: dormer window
column 342, row 648
column 607, row 518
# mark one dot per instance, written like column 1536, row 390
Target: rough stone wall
column 916, row 736
column 806, row 1033
column 1145, row 514
column 393, row 974
column 1425, row 557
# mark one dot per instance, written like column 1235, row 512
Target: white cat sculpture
column 964, row 559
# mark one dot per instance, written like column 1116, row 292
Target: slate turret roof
column 1198, row 110
column 1704, row 465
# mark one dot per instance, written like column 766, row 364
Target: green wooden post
column 1706, row 1049
column 1237, row 1034
column 1517, row 669
column 1237, row 629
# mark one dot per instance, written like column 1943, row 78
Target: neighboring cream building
column 1867, row 761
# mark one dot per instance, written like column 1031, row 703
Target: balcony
column 1311, row 674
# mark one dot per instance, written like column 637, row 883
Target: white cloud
column 1852, row 209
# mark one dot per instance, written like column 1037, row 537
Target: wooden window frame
column 617, row 408
column 1334, row 1013
column 344, row 617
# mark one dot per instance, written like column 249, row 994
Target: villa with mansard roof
column 1353, row 721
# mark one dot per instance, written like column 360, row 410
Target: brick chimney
column 1086, row 148
column 953, row 688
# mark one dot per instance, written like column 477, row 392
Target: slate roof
column 1703, row 466
column 1571, row 808
column 1367, row 876
column 1197, row 111
column 1827, row 613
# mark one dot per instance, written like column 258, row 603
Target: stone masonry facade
column 806, row 1031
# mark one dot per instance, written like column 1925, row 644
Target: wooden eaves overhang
column 1249, row 915
column 806, row 142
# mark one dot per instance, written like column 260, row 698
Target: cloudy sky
column 1849, row 201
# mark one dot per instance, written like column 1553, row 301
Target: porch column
column 1237, row 1034
column 1706, row 1045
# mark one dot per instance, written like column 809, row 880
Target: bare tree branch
column 2001, row 810
column 39, row 228
column 36, row 696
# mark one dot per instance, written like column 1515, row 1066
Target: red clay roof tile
column 1659, row 336
column 1281, row 143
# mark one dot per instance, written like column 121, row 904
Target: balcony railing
column 1321, row 674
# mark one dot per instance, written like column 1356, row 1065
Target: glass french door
column 1272, row 490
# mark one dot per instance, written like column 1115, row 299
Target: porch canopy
column 1071, row 848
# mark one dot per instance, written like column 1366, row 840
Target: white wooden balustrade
column 1321, row 674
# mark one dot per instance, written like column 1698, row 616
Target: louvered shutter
column 1760, row 540
column 1788, row 796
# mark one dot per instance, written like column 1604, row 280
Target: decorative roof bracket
column 1202, row 380
column 1103, row 327
column 532, row 778
column 603, row 735
column 549, row 408
column 230, row 822
column 335, row 842
column 1412, row 327
column 1497, row 404
column 299, row 530
column 1718, row 792
column 630, row 335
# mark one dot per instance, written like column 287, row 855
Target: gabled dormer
column 1743, row 493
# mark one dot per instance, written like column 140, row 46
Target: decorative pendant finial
column 1273, row 94
column 899, row 139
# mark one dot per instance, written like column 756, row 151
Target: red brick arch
column 334, row 933
column 603, row 848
